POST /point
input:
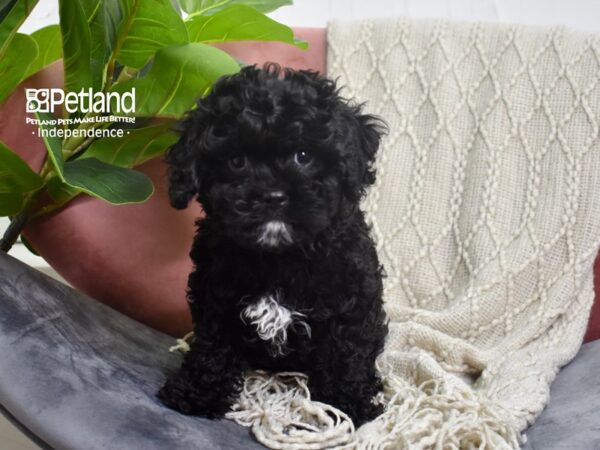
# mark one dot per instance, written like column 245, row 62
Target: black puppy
column 286, row 276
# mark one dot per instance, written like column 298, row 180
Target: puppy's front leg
column 349, row 387
column 344, row 373
column 208, row 381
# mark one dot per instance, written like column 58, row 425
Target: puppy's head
column 275, row 156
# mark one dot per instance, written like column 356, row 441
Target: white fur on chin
column 275, row 233
column 272, row 320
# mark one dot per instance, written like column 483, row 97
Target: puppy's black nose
column 275, row 199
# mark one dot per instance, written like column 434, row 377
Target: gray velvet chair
column 77, row 375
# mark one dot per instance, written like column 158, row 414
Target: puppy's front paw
column 364, row 412
column 207, row 383
column 355, row 399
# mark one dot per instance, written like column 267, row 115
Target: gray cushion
column 78, row 375
column 572, row 418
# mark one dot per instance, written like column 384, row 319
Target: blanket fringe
column 435, row 415
column 282, row 415
column 182, row 345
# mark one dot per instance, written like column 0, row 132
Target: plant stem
column 82, row 146
column 73, row 142
column 126, row 74
column 14, row 230
column 18, row 222
column 52, row 207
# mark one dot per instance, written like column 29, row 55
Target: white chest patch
column 272, row 321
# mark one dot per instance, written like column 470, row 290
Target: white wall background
column 579, row 14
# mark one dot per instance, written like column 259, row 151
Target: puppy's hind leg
column 208, row 382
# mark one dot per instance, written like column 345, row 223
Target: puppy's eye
column 237, row 162
column 303, row 158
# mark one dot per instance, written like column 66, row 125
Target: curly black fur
column 279, row 145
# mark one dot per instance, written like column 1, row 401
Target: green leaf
column 76, row 42
column 49, row 45
column 240, row 23
column 5, row 7
column 110, row 183
column 134, row 148
column 104, row 19
column 150, row 26
column 90, row 35
column 10, row 204
column 53, row 144
column 15, row 63
column 15, row 175
column 208, row 7
column 180, row 74
column 113, row 184
column 12, row 15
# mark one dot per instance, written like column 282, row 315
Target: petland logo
column 46, row 100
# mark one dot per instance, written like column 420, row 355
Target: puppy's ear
column 183, row 158
column 369, row 132
column 363, row 134
column 199, row 136
column 183, row 184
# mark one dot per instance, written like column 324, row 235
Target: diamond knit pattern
column 486, row 209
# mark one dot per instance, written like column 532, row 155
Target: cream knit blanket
column 486, row 213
